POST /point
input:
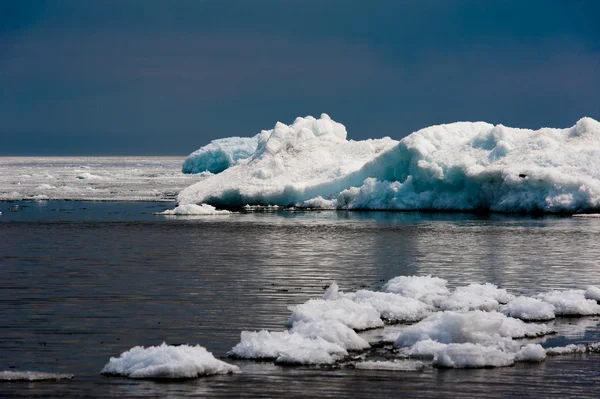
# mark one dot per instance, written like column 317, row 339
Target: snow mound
column 194, row 210
column 32, row 376
column 527, row 308
column 459, row 166
column 292, row 164
column 593, row 293
column 220, row 154
column 167, row 362
column 393, row 307
column 395, row 365
column 570, row 303
column 531, row 353
column 286, row 347
column 358, row 316
column 474, row 326
column 431, row 290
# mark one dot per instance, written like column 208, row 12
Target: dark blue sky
column 166, row 77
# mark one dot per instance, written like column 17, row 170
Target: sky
column 160, row 77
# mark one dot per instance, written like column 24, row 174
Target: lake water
column 83, row 281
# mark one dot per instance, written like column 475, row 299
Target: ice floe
column 463, row 166
column 287, row 347
column 194, row 210
column 324, row 330
column 570, row 303
column 358, row 316
column 394, row 365
column 33, row 376
column 527, row 308
column 167, row 362
column 474, row 326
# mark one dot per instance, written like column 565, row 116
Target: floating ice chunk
column 593, row 293
column 194, row 210
column 527, row 308
column 566, row 350
column 32, row 376
column 393, row 307
column 469, row 355
column 355, row 315
column 531, row 353
column 167, row 362
column 465, row 301
column 515, row 328
column 220, row 154
column 395, row 365
column 570, row 303
column 431, row 290
column 475, row 326
column 286, row 347
column 587, row 215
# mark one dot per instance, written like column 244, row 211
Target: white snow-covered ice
column 570, row 303
column 323, row 331
column 167, row 362
column 194, row 210
column 220, row 154
column 527, row 308
column 458, row 166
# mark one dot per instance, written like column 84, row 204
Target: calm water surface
column 83, row 281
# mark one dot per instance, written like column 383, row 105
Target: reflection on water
column 81, row 282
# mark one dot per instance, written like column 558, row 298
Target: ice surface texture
column 167, row 362
column 93, row 178
column 460, row 166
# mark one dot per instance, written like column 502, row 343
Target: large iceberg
column 466, row 166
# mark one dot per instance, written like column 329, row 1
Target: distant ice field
column 92, row 178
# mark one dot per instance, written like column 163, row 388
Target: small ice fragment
column 32, row 376
column 395, row 365
column 194, row 210
column 531, row 353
